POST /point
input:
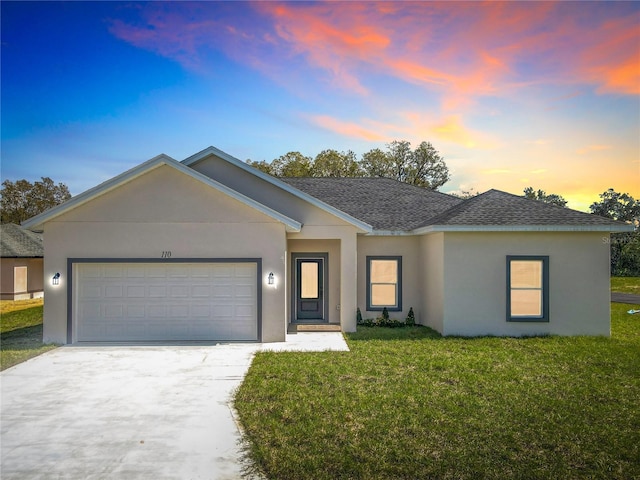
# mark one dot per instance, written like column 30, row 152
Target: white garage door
column 166, row 301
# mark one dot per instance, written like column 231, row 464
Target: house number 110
column 166, row 254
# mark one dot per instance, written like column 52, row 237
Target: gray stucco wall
column 163, row 210
column 475, row 283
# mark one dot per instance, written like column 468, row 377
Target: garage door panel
column 135, row 311
column 113, row 271
column 201, row 291
column 135, row 271
column 113, row 311
column 140, row 302
column 113, row 291
column 136, row 291
column 179, row 291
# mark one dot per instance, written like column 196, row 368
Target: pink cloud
column 363, row 129
column 459, row 50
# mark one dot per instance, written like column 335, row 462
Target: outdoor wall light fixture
column 270, row 278
column 56, row 279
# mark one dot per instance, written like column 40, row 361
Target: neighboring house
column 20, row 264
column 212, row 249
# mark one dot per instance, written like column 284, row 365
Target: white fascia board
column 365, row 227
column 390, row 233
column 523, row 228
column 129, row 175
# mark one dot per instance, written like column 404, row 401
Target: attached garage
column 116, row 301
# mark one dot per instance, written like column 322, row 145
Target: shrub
column 411, row 318
column 358, row 316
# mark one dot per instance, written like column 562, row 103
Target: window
column 384, row 283
column 527, row 288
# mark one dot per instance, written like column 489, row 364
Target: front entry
column 310, row 281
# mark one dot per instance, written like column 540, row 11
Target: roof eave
column 523, row 228
column 365, row 227
column 37, row 221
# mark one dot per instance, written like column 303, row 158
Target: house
column 21, row 263
column 212, row 249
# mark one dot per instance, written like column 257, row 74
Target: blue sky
column 511, row 94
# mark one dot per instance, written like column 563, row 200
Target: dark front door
column 309, row 289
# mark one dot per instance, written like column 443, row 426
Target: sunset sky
column 511, row 94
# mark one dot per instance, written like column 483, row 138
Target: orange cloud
column 593, row 148
column 452, row 130
column 374, row 133
column 460, row 50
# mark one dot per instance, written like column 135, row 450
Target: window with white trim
column 527, row 288
column 384, row 283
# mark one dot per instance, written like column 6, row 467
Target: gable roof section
column 16, row 242
column 278, row 182
column 386, row 204
column 396, row 208
column 495, row 210
column 37, row 221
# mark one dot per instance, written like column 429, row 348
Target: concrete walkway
column 625, row 298
column 130, row 412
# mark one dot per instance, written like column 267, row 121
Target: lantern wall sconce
column 270, row 278
column 56, row 279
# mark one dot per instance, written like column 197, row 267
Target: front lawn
column 20, row 331
column 407, row 403
column 626, row 285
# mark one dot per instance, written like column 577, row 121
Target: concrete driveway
column 131, row 412
column 149, row 412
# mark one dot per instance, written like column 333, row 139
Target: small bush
column 358, row 316
column 411, row 318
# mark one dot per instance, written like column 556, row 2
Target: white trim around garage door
column 71, row 262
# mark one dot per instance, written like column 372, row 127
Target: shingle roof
column 387, row 204
column 495, row 207
column 16, row 242
column 383, row 203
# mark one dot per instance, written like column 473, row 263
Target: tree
column 374, row 163
column 423, row 166
column 545, row 197
column 428, row 168
column 292, row 164
column 625, row 247
column 22, row 199
column 331, row 163
column 618, row 206
column 261, row 165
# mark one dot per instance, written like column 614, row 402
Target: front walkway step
column 318, row 327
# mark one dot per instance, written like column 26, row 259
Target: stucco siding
column 475, row 283
column 34, row 278
column 432, row 280
column 164, row 211
column 164, row 195
column 408, row 247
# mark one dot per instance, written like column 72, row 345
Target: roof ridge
column 410, row 185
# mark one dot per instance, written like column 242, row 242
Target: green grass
column 626, row 285
column 407, row 403
column 20, row 332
